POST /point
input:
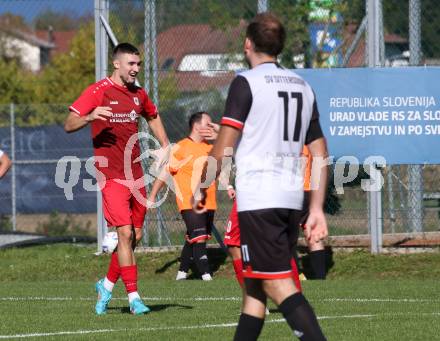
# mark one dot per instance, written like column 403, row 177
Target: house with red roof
column 33, row 49
column 201, row 57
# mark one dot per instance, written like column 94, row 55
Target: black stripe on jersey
column 314, row 132
column 238, row 103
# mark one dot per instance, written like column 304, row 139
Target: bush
column 62, row 226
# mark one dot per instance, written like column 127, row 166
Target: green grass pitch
column 47, row 293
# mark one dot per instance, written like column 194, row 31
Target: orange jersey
column 308, row 169
column 186, row 166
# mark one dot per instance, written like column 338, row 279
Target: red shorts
column 120, row 205
column 232, row 235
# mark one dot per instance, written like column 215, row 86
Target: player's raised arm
column 238, row 104
column 223, row 147
column 75, row 122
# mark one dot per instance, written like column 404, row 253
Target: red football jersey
column 110, row 137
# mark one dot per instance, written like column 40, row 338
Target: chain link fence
column 191, row 52
column 44, row 192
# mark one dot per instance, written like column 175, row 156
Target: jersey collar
column 275, row 63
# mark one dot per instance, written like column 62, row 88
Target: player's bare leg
column 114, row 270
column 251, row 319
column 279, row 289
column 127, row 262
column 137, row 237
column 255, row 299
column 125, row 245
column 235, row 252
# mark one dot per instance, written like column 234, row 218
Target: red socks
column 238, row 268
column 114, row 271
column 129, row 277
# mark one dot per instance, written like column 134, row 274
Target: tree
column 70, row 73
column 9, row 20
column 16, row 85
column 396, row 21
column 61, row 82
column 294, row 14
column 59, row 21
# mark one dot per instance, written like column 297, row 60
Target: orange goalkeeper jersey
column 186, row 166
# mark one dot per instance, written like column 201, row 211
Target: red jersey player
column 113, row 106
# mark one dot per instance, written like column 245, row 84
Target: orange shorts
column 120, row 205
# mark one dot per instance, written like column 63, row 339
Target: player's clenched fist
column 99, row 113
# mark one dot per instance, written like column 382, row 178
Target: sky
column 30, row 8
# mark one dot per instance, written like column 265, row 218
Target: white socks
column 108, row 285
column 206, row 277
column 132, row 296
column 181, row 275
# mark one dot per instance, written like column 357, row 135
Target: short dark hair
column 125, row 48
column 267, row 34
column 195, row 118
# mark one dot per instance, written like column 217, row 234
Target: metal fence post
column 374, row 40
column 358, row 36
column 375, row 217
column 147, row 33
column 391, row 208
column 373, row 32
column 101, row 63
column 263, row 6
column 415, row 178
column 14, row 169
column 154, row 53
column 155, row 96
